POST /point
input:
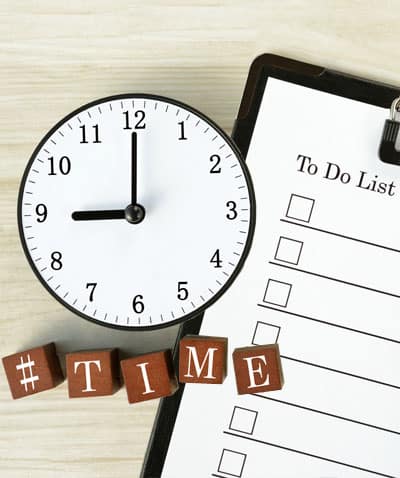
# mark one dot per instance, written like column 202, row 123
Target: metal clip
column 389, row 149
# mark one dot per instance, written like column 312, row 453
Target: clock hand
column 134, row 169
column 98, row 215
column 134, row 213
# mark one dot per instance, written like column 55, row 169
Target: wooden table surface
column 56, row 56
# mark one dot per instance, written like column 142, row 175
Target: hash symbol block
column 300, row 208
column 288, row 250
column 92, row 373
column 277, row 292
column 33, row 371
column 202, row 359
column 258, row 369
column 149, row 376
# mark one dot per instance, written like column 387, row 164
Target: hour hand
column 98, row 215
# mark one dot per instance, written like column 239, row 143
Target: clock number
column 56, row 263
column 140, row 114
column 216, row 159
column 183, row 293
column 41, row 211
column 182, row 130
column 216, row 259
column 96, row 134
column 93, row 286
column 137, row 304
column 126, row 114
column 64, row 166
column 232, row 214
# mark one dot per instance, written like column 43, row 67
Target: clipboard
column 262, row 69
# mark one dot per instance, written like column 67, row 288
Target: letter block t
column 92, row 373
column 202, row 359
column 258, row 369
column 149, row 376
column 33, row 371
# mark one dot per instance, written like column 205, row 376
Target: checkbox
column 288, row 250
column 265, row 334
column 300, row 208
column 232, row 463
column 243, row 420
column 277, row 292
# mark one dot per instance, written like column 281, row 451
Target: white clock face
column 136, row 211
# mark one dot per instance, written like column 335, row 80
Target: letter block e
column 202, row 359
column 258, row 369
column 92, row 373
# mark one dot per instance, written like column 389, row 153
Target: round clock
column 136, row 211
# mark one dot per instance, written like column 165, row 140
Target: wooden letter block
column 202, row 359
column 33, row 371
column 258, row 369
column 149, row 376
column 92, row 373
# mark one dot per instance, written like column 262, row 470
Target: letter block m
column 202, row 359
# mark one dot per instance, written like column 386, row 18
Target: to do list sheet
column 323, row 280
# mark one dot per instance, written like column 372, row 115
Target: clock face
column 136, row 211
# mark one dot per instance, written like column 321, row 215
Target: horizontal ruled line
column 300, row 452
column 311, row 364
column 362, row 241
column 354, row 284
column 330, row 323
column 328, row 414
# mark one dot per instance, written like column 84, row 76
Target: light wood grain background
column 56, row 56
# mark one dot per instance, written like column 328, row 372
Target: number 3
column 232, row 214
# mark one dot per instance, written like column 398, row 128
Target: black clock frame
column 200, row 310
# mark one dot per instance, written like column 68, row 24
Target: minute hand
column 134, row 169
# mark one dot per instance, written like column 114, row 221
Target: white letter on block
column 143, row 369
column 253, row 371
column 199, row 368
column 88, row 377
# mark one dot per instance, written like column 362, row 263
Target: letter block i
column 33, row 371
column 149, row 376
column 258, row 369
column 202, row 359
column 92, row 373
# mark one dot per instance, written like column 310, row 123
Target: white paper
column 335, row 303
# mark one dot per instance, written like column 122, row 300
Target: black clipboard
column 263, row 67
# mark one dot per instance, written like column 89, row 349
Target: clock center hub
column 135, row 213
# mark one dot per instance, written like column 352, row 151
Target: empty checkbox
column 243, row 420
column 265, row 334
column 300, row 208
column 277, row 292
column 288, row 250
column 232, row 463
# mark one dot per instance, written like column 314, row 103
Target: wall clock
column 136, row 211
